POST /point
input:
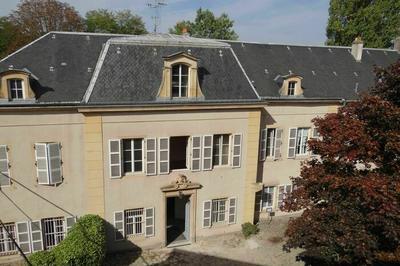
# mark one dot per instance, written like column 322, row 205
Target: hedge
column 85, row 244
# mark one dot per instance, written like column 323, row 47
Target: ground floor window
column 6, row 244
column 134, row 221
column 283, row 190
column 53, row 231
column 268, row 197
column 218, row 210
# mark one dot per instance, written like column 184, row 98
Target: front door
column 178, row 221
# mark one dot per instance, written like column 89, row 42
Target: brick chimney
column 396, row 45
column 357, row 49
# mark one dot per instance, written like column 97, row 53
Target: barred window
column 133, row 155
column 53, row 231
column 134, row 221
column 6, row 244
column 218, row 210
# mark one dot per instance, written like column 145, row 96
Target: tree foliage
column 123, row 22
column 206, row 25
column 351, row 194
column 7, row 36
column 377, row 22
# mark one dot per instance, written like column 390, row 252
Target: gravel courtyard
column 230, row 249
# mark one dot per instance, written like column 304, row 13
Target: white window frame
column 286, row 190
column 56, row 235
column 220, row 139
column 6, row 244
column 134, row 214
column 133, row 159
column 301, row 141
column 180, row 75
column 219, row 211
column 291, row 90
column 17, row 89
column 7, row 162
column 270, row 143
column 271, row 191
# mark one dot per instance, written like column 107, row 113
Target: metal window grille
column 218, row 210
column 134, row 221
column 6, row 244
column 53, row 231
column 221, row 150
column 132, row 155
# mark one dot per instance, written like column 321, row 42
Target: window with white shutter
column 4, row 166
column 149, row 223
column 206, row 213
column 114, row 146
column 48, row 163
column 23, row 236
column 196, row 153
column 119, row 225
column 207, row 152
column 232, row 210
column 292, row 142
column 151, row 156
column 278, row 143
column 163, row 155
column 237, row 150
column 7, row 233
column 36, row 236
column 263, row 144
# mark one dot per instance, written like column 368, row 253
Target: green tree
column 123, row 22
column 7, row 36
column 377, row 22
column 206, row 25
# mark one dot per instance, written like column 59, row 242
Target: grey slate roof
column 317, row 65
column 66, row 83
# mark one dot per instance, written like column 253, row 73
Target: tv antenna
column 156, row 5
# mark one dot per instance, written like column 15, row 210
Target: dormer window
column 180, row 77
column 15, row 88
column 291, row 88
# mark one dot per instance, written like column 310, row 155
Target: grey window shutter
column 115, row 158
column 69, row 222
column 23, row 236
column 232, row 210
column 36, row 236
column 42, row 164
column 151, row 156
column 207, row 152
column 207, row 214
column 263, row 144
column 54, row 159
column 149, row 221
column 292, row 142
column 278, row 143
column 4, row 166
column 196, row 154
column 163, row 155
column 236, row 150
column 119, row 225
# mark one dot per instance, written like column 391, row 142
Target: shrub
column 249, row 229
column 42, row 258
column 85, row 243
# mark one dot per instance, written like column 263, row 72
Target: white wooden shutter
column 207, row 152
column 232, row 210
column 263, row 144
column 69, row 222
column 114, row 146
column 42, row 164
column 195, row 163
column 4, row 166
column 151, row 156
column 36, row 236
column 292, row 143
column 278, row 143
column 163, row 155
column 23, row 236
column 54, row 159
column 236, row 150
column 149, row 222
column 207, row 214
column 119, row 225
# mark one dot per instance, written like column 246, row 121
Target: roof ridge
column 90, row 33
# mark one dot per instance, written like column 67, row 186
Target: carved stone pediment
column 181, row 183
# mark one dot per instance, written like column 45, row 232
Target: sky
column 268, row 21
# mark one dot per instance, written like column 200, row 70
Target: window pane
column 138, row 167
column 175, row 91
column 185, row 70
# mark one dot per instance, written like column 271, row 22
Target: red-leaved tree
column 350, row 194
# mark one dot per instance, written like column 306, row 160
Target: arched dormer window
column 16, row 89
column 180, row 80
column 290, row 85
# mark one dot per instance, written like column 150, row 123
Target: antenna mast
column 156, row 5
